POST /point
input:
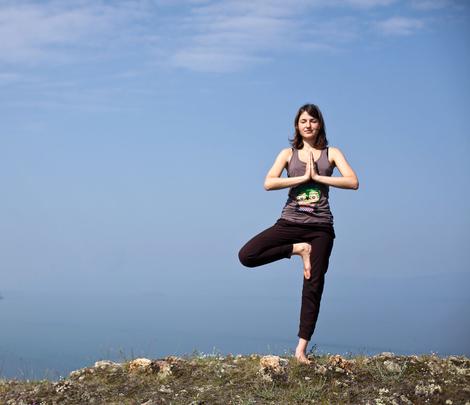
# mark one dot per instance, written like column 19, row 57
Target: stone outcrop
column 378, row 380
column 273, row 368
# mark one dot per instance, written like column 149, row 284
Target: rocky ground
column 214, row 379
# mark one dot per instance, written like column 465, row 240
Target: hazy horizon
column 135, row 138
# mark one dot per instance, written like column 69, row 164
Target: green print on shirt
column 308, row 195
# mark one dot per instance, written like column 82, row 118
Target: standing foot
column 301, row 358
column 303, row 250
column 300, row 351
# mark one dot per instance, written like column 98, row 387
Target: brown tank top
column 308, row 202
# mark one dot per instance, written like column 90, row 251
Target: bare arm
column 348, row 177
column 274, row 181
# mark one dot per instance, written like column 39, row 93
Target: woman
column 305, row 227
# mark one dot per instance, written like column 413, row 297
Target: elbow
column 355, row 185
column 267, row 185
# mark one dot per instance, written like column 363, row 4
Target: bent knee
column 245, row 258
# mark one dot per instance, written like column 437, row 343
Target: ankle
column 298, row 248
column 302, row 345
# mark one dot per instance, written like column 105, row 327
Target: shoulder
column 334, row 155
column 334, row 152
column 332, row 149
column 337, row 156
column 285, row 154
column 281, row 162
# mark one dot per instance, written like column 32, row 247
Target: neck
column 308, row 145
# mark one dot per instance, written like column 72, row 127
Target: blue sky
column 135, row 137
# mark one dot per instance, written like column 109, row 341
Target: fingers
column 309, row 165
column 312, row 165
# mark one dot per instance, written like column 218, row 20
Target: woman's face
column 308, row 126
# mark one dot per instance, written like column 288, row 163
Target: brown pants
column 276, row 243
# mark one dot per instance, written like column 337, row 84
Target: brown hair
column 320, row 141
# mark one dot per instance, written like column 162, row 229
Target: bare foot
column 300, row 356
column 303, row 250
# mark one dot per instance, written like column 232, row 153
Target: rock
column 321, row 369
column 458, row 360
column 274, row 363
column 458, row 365
column 77, row 373
column 405, row 400
column 165, row 389
column 392, row 366
column 462, row 371
column 162, row 367
column 105, row 364
column 434, row 367
column 140, row 365
column 62, row 386
column 426, row 390
column 385, row 355
column 272, row 366
column 174, row 359
column 340, row 363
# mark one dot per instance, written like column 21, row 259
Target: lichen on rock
column 272, row 367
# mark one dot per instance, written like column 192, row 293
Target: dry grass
column 206, row 379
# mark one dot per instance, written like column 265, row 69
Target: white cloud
column 29, row 32
column 209, row 35
column 399, row 26
column 369, row 3
column 431, row 4
column 213, row 60
column 333, row 31
column 230, row 35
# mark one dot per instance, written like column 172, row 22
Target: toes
column 302, row 359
